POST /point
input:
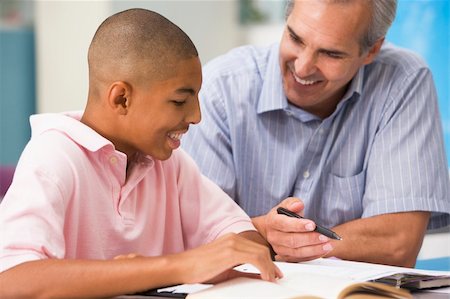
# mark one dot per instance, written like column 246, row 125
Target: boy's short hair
column 139, row 44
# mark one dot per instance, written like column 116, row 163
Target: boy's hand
column 214, row 262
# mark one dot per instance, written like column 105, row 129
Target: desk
column 419, row 295
column 324, row 269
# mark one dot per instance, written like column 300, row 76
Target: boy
column 101, row 204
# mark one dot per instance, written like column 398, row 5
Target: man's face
column 161, row 112
column 320, row 52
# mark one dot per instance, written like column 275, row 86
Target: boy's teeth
column 176, row 136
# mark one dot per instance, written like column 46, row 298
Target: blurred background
column 43, row 50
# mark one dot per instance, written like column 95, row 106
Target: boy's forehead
column 184, row 78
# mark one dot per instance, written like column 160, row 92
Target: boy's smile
column 175, row 139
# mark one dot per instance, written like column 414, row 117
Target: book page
column 299, row 285
column 355, row 271
column 323, row 286
column 243, row 287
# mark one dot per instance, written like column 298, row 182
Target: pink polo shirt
column 70, row 199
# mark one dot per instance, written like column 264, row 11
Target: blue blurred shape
column 440, row 263
column 424, row 27
column 17, row 91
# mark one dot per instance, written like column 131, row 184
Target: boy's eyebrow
column 323, row 50
column 185, row 90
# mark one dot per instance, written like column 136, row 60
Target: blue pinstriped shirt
column 381, row 151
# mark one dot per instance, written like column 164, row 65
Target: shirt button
column 306, row 174
column 288, row 113
column 113, row 159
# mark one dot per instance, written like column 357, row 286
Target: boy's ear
column 119, row 97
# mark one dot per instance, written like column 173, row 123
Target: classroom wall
column 65, row 29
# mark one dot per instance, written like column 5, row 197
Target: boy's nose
column 194, row 115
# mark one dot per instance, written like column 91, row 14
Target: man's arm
column 54, row 278
column 393, row 239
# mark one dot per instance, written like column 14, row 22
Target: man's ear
column 374, row 50
column 119, row 97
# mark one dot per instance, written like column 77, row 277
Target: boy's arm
column 54, row 278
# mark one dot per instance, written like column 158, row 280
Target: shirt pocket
column 342, row 197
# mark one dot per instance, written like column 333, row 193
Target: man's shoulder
column 400, row 58
column 241, row 60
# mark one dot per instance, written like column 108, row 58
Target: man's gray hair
column 383, row 14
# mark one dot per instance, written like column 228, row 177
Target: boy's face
column 161, row 112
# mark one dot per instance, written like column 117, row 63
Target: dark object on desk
column 415, row 281
column 320, row 229
column 156, row 293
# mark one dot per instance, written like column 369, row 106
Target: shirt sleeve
column 207, row 212
column 407, row 169
column 31, row 216
column 212, row 136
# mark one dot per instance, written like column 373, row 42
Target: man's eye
column 333, row 55
column 293, row 37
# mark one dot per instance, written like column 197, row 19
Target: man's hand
column 292, row 239
column 392, row 239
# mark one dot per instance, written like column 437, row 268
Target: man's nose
column 305, row 64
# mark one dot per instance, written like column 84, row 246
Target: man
column 333, row 124
column 102, row 202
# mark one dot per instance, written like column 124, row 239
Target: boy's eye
column 179, row 103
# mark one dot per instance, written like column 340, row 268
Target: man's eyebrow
column 322, row 50
column 291, row 31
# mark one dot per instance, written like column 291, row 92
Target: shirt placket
column 310, row 166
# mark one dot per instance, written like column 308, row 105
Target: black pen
column 320, row 229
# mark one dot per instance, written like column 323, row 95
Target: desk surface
column 417, row 295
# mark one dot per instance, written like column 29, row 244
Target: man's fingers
column 288, row 224
column 292, row 204
column 303, row 253
column 296, row 240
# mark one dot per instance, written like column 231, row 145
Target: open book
column 321, row 278
column 300, row 285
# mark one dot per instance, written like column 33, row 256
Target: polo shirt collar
column 69, row 123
